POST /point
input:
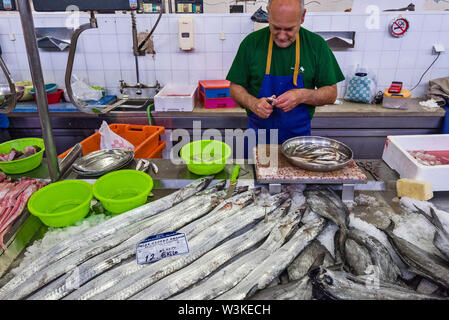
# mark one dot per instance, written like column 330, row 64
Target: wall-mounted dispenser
column 185, row 34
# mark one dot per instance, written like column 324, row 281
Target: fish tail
column 436, row 220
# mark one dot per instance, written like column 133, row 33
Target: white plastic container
column 396, row 155
column 176, row 97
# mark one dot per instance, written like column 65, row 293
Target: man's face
column 284, row 21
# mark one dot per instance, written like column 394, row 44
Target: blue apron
column 445, row 126
column 293, row 123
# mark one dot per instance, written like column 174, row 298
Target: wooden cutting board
column 282, row 171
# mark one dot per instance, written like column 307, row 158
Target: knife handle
column 235, row 173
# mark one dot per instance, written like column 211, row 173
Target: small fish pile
column 315, row 154
column 252, row 245
column 17, row 154
column 431, row 158
column 14, row 196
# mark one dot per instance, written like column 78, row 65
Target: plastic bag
column 361, row 87
column 83, row 91
column 111, row 140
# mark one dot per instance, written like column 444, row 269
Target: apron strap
column 270, row 51
column 297, row 59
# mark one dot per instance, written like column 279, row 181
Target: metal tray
column 102, row 161
column 319, row 141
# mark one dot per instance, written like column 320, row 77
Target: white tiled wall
column 104, row 55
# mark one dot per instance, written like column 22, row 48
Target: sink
column 134, row 105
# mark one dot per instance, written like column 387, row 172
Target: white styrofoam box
column 396, row 155
column 166, row 101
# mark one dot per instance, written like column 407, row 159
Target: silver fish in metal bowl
column 317, row 153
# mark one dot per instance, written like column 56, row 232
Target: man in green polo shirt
column 288, row 63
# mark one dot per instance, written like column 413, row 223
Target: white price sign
column 161, row 246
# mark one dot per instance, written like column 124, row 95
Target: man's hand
column 262, row 108
column 318, row 97
column 290, row 99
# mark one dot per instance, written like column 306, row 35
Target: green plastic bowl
column 123, row 190
column 205, row 157
column 25, row 164
column 62, row 203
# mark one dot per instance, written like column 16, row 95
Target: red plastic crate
column 146, row 140
column 214, row 103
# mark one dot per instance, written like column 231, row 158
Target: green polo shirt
column 318, row 64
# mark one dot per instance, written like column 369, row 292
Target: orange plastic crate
column 146, row 140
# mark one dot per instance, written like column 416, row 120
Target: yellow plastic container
column 28, row 85
column 396, row 100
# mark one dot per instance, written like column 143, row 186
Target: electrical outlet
column 438, row 47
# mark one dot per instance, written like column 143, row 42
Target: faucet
column 139, row 50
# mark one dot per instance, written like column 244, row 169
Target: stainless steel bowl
column 319, row 141
column 6, row 95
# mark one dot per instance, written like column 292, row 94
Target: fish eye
column 328, row 280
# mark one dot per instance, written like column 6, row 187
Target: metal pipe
column 34, row 62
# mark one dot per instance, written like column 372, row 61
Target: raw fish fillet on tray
column 13, row 199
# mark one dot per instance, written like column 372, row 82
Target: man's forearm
column 318, row 97
column 241, row 96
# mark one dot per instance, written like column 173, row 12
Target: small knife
column 233, row 181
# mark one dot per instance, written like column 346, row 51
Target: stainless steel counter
column 362, row 127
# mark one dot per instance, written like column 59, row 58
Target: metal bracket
column 274, row 188
column 347, row 192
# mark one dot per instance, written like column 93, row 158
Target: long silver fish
column 103, row 282
column 302, row 263
column 198, row 246
column 339, row 285
column 324, row 201
column 102, row 230
column 382, row 262
column 419, row 261
column 441, row 237
column 300, row 289
column 218, row 256
column 89, row 267
column 270, row 268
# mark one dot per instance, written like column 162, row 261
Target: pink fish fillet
column 5, row 187
column 18, row 208
column 12, row 195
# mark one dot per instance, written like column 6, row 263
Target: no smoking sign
column 399, row 26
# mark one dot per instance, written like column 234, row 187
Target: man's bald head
column 285, row 18
column 300, row 2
